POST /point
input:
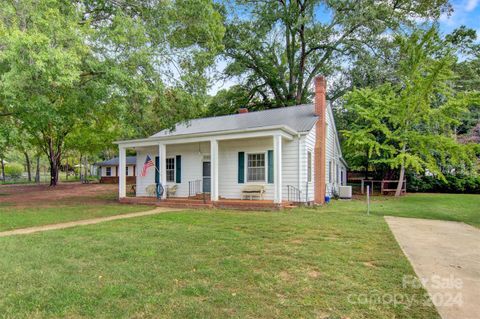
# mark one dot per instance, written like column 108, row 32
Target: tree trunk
column 54, row 156
column 85, row 159
column 3, row 169
column 367, row 162
column 29, row 168
column 398, row 192
column 80, row 168
column 66, row 171
column 37, row 172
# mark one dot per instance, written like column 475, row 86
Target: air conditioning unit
column 345, row 191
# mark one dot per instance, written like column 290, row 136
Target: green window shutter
column 270, row 166
column 157, row 168
column 178, row 168
column 241, row 167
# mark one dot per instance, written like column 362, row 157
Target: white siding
column 103, row 170
column 334, row 154
column 149, row 179
column 290, row 170
column 228, row 165
column 294, row 164
column 308, row 189
column 193, row 155
column 113, row 171
column 228, row 185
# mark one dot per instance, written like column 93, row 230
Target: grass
column 306, row 263
column 310, row 263
column 452, row 207
column 12, row 217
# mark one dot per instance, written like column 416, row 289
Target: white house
column 290, row 154
column 108, row 170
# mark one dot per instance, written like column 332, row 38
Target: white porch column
column 162, row 155
column 277, row 168
column 122, row 180
column 214, row 169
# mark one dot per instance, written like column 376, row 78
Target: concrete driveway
column 446, row 257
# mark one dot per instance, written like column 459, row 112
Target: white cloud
column 471, row 5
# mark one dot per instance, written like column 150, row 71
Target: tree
column 409, row 123
column 62, row 63
column 6, row 137
column 278, row 47
column 228, row 101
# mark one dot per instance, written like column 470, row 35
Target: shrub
column 469, row 184
column 14, row 170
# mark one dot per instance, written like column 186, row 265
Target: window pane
column 256, row 167
column 170, row 167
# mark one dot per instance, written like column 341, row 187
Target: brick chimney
column 242, row 110
column 321, row 139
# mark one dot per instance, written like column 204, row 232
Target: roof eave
column 283, row 128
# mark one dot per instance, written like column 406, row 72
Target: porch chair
column 151, row 190
column 171, row 190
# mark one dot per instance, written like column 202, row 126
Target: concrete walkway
column 446, row 257
column 30, row 230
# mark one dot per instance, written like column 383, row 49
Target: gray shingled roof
column 131, row 160
column 300, row 118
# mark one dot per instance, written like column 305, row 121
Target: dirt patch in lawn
column 63, row 194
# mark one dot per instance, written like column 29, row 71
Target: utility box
column 345, row 192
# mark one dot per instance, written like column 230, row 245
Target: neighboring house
column 292, row 153
column 108, row 170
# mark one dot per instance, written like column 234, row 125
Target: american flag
column 148, row 163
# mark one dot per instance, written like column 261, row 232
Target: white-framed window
column 170, row 167
column 256, row 167
column 309, row 166
column 126, row 171
column 108, row 171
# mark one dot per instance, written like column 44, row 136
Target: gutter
column 284, row 128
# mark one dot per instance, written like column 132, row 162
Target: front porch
column 185, row 202
column 214, row 171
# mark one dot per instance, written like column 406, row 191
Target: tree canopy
column 69, row 66
column 409, row 123
column 278, row 47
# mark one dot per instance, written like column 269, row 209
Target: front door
column 206, row 177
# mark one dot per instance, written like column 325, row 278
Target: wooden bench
column 253, row 191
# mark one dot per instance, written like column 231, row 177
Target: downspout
column 299, row 179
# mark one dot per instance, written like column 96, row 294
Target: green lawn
column 208, row 264
column 454, row 207
column 12, row 217
column 311, row 263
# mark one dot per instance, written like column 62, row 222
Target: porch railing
column 294, row 194
column 194, row 187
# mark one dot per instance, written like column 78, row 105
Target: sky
column 465, row 12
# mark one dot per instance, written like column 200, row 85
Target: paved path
column 29, row 230
column 446, row 257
